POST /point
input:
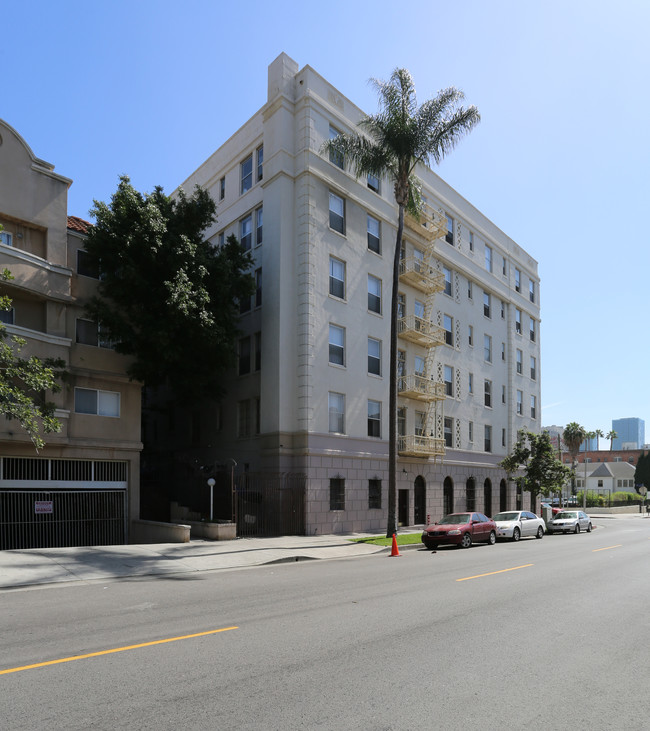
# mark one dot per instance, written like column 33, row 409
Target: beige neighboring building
column 83, row 487
column 309, row 395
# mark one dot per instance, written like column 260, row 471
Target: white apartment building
column 310, row 393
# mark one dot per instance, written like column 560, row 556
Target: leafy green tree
column 573, row 436
column 24, row 381
column 611, row 435
column 393, row 142
column 642, row 471
column 168, row 297
column 543, row 473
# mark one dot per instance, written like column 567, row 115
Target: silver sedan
column 570, row 521
column 516, row 524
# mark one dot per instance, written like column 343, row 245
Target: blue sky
column 559, row 162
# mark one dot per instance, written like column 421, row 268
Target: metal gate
column 270, row 505
column 58, row 518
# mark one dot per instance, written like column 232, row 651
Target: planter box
column 213, row 531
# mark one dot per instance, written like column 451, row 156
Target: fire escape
column 417, row 269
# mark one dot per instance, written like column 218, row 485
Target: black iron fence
column 270, row 505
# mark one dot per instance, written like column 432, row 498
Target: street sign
column 43, row 507
column 643, row 490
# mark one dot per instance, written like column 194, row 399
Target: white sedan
column 570, row 521
column 516, row 524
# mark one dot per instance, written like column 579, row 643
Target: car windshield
column 506, row 516
column 454, row 519
column 566, row 516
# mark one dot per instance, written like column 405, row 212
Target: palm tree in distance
column 393, row 142
column 611, row 435
column 599, row 434
column 573, row 436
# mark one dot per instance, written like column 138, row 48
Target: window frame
column 374, row 419
column 374, row 240
column 336, row 409
column 335, row 347
column 373, row 359
column 374, row 299
column 99, row 393
column 259, row 159
column 336, row 220
column 246, row 239
column 246, row 176
column 334, row 280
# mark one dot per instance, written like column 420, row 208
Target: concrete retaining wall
column 151, row 531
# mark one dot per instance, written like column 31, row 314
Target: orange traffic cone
column 395, row 549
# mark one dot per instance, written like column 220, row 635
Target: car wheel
column 540, row 532
column 577, row 528
column 516, row 534
column 492, row 539
column 589, row 527
column 466, row 542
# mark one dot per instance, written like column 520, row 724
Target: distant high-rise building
column 630, row 433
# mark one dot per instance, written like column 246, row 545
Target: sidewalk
column 19, row 568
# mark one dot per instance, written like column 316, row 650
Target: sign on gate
column 43, row 507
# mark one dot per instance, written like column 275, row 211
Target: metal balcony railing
column 420, row 331
column 421, row 388
column 414, row 445
column 420, row 275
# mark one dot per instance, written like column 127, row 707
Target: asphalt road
column 551, row 633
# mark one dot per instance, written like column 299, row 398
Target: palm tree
column 599, row 434
column 611, row 435
column 573, row 436
column 393, row 142
column 591, row 435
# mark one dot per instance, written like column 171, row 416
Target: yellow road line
column 491, row 573
column 115, row 649
column 618, row 545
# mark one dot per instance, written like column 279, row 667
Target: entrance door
column 420, row 501
column 403, row 507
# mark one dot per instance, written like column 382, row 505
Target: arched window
column 470, row 495
column 487, row 496
column 420, row 500
column 448, row 496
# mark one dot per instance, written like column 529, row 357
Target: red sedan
column 460, row 529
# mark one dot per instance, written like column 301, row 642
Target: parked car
column 570, row 521
column 516, row 524
column 554, row 509
column 460, row 529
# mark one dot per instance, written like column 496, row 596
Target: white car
column 570, row 521
column 516, row 524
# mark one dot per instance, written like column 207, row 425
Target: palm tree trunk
column 392, row 395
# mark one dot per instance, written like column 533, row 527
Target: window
column 7, row 316
column 337, row 213
column 470, row 432
column 503, row 310
column 374, row 356
column 246, row 232
column 533, row 367
column 374, row 494
column 517, row 280
column 92, row 401
column 374, row 418
column 449, row 433
column 503, row 437
column 89, row 333
column 487, row 348
column 336, row 157
column 487, row 388
column 487, row 438
column 85, row 264
column 244, row 356
column 470, row 384
column 420, row 422
column 222, row 188
column 374, row 243
column 401, row 306
column 374, row 294
column 504, row 266
column 449, row 380
column 488, row 258
column 6, row 238
column 520, row 356
column 533, row 407
column 418, row 311
column 518, row 321
column 259, row 227
column 470, row 293
column 336, row 408
column 258, row 287
column 260, row 162
column 487, row 301
column 401, row 421
column 337, row 278
column 418, row 263
column 449, row 237
column 449, row 329
column 447, row 273
column 337, row 493
column 531, row 290
column 337, row 345
column 258, row 351
column 258, row 415
column 401, row 363
column 247, row 174
column 532, row 330
column 221, row 239
column 471, row 241
column 373, row 182
column 244, row 305
column 470, row 336
column 503, row 394
column 419, row 366
column 503, row 351
column 520, row 399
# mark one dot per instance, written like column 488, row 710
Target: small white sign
column 43, row 507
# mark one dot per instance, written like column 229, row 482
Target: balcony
column 413, row 445
column 420, row 388
column 420, row 275
column 420, row 331
column 432, row 225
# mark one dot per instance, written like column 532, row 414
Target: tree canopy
column 24, row 381
column 167, row 297
column 642, row 471
column 534, row 454
column 393, row 142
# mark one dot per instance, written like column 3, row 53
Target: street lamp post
column 211, row 483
